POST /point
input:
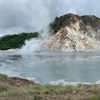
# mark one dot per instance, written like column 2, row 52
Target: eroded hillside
column 73, row 32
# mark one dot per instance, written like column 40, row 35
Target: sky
column 18, row 16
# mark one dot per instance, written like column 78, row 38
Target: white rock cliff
column 74, row 36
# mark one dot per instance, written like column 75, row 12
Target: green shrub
column 3, row 76
column 16, row 40
column 61, row 22
column 96, row 98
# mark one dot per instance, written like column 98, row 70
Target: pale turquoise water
column 45, row 67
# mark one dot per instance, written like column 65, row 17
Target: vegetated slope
column 16, row 40
column 87, row 20
column 73, row 32
column 13, row 88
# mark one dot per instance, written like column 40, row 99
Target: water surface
column 52, row 67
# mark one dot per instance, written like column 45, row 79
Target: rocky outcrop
column 73, row 32
column 19, row 81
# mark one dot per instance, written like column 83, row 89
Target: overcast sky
column 31, row 15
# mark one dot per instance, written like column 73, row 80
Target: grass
column 39, row 92
column 3, row 76
column 96, row 98
column 47, row 92
column 36, row 89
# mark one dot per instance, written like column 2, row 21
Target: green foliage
column 3, row 76
column 91, row 20
column 96, row 98
column 61, row 22
column 36, row 89
column 16, row 40
column 79, row 85
column 58, row 23
column 64, row 20
column 4, row 86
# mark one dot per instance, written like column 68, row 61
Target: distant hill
column 16, row 40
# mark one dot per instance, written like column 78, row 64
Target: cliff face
column 73, row 32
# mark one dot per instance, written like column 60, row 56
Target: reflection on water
column 52, row 66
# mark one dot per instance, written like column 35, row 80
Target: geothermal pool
column 52, row 67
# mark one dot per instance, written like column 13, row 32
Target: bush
column 16, row 40
column 3, row 77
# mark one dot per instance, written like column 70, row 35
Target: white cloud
column 32, row 15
